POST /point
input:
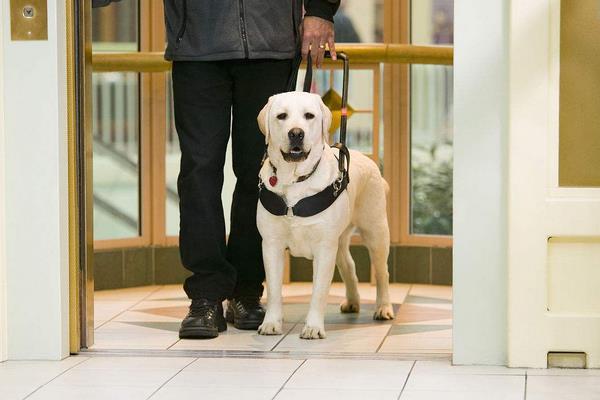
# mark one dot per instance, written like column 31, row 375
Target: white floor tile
column 437, row 395
column 20, row 378
column 106, row 310
column 140, row 316
column 337, row 394
column 134, row 341
column 152, row 304
column 92, row 393
column 340, row 339
column 244, row 364
column 416, row 344
column 351, row 375
column 123, row 327
column 168, row 292
column 128, row 294
column 114, row 377
column 508, row 385
column 563, row 372
column 446, row 368
column 435, row 291
column 563, row 387
column 141, row 363
column 235, row 373
column 198, row 393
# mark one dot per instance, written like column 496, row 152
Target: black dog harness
column 311, row 205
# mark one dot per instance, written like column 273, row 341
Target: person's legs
column 202, row 94
column 254, row 81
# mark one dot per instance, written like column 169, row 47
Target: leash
column 344, row 158
column 319, row 202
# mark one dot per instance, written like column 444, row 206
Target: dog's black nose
column 296, row 134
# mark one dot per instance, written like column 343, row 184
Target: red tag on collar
column 273, row 180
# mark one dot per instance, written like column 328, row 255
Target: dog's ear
column 263, row 119
column 326, row 121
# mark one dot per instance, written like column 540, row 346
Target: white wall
column 480, row 200
column 2, row 215
column 36, row 234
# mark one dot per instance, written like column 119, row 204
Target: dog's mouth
column 296, row 154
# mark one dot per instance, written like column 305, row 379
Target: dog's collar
column 301, row 178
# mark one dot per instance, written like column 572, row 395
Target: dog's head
column 295, row 126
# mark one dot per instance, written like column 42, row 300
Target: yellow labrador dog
column 300, row 164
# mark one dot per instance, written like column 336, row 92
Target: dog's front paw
column 270, row 328
column 383, row 312
column 312, row 332
column 349, row 306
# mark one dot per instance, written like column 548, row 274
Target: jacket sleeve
column 325, row 9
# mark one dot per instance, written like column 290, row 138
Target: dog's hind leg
column 377, row 240
column 347, row 269
column 371, row 219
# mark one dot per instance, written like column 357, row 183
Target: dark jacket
column 211, row 30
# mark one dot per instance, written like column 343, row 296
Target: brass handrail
column 358, row 53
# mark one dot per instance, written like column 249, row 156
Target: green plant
column 431, row 197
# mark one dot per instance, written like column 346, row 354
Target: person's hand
column 316, row 33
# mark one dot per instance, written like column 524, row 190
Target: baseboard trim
column 131, row 267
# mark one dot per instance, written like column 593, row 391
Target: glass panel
column 359, row 21
column 115, row 28
column 360, row 97
column 115, row 108
column 360, row 132
column 173, row 157
column 579, row 119
column 431, row 123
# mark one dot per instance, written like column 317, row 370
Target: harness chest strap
column 311, row 205
column 308, row 206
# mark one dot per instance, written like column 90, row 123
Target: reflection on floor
column 149, row 317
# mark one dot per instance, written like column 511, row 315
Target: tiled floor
column 181, row 378
column 360, row 359
column 148, row 318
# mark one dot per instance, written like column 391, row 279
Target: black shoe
column 245, row 312
column 204, row 320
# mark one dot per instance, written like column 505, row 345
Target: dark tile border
column 121, row 268
column 407, row 264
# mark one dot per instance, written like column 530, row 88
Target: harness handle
column 344, row 154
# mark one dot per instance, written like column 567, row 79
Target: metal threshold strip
column 264, row 354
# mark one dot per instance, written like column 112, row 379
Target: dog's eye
column 309, row 115
column 282, row 116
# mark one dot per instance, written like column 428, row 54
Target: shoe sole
column 245, row 325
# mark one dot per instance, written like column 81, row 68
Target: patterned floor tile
column 150, row 317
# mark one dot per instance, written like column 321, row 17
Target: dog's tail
column 386, row 186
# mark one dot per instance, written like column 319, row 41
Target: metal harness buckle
column 337, row 185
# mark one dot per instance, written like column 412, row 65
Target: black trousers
column 212, row 99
